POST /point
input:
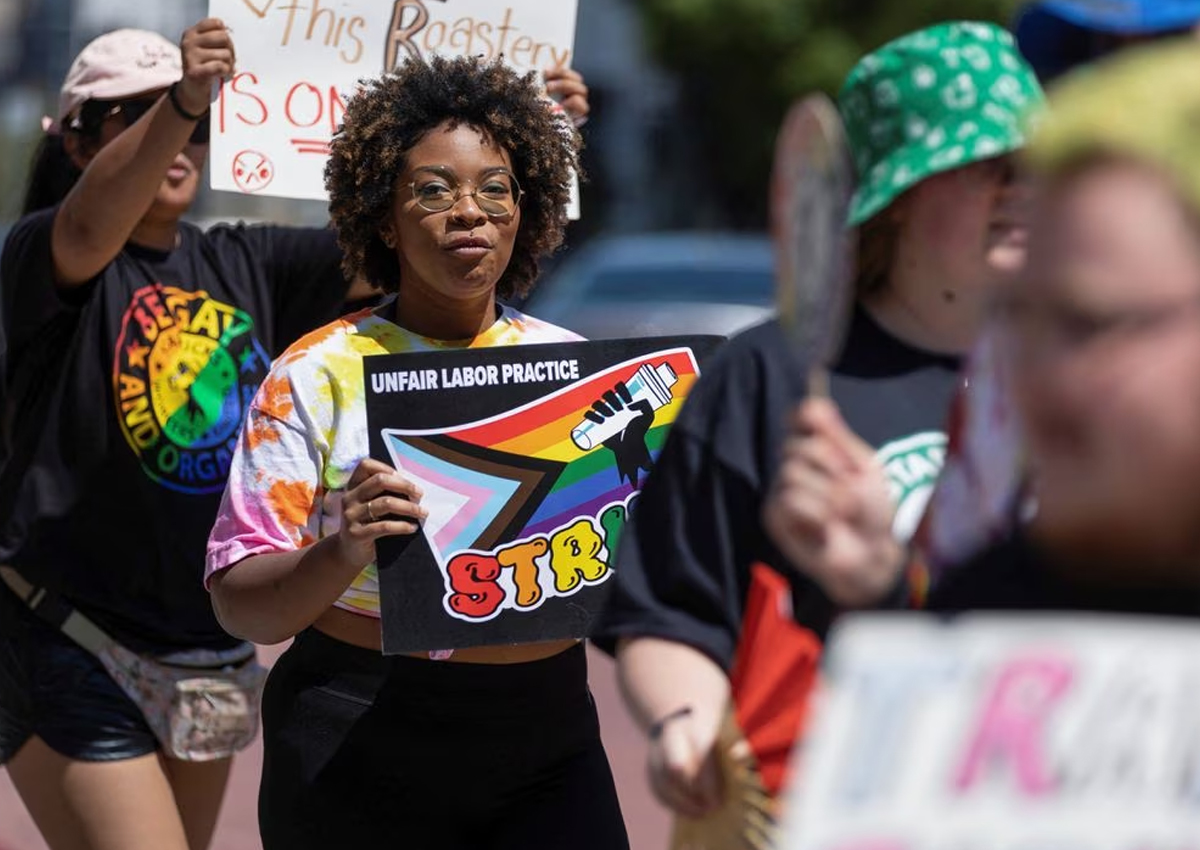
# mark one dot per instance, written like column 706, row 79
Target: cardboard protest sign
column 299, row 62
column 530, row 458
column 1023, row 732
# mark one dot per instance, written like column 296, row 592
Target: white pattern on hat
column 947, row 157
column 916, row 127
column 977, row 57
column 952, row 56
column 887, row 93
column 1008, row 88
column 966, row 130
column 960, row 93
column 981, row 31
column 924, row 77
column 987, row 146
column 998, row 114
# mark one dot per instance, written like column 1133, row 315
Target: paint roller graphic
column 650, row 384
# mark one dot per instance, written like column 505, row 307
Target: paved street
column 648, row 824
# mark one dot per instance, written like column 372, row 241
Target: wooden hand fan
column 773, row 674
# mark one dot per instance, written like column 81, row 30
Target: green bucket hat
column 932, row 101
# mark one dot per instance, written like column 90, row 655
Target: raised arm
column 121, row 179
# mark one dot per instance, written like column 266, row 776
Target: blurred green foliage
column 741, row 62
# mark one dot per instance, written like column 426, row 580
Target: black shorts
column 368, row 751
column 52, row 687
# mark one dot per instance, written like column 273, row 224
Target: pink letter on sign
column 1011, row 727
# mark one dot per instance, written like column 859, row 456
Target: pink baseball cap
column 117, row 64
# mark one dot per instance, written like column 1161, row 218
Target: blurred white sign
column 993, row 733
column 299, row 61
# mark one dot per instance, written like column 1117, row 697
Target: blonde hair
column 1143, row 105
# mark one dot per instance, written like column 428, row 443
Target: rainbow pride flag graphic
column 527, row 502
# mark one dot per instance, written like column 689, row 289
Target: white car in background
column 658, row 284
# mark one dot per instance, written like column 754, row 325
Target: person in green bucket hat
column 936, row 100
column 933, row 119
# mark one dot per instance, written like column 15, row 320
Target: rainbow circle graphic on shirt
column 185, row 368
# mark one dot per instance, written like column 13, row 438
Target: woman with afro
column 448, row 183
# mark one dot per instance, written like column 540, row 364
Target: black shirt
column 683, row 569
column 123, row 401
column 1017, row 575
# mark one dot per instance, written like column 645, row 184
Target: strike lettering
column 1011, row 728
column 476, row 593
column 522, row 575
column 574, row 556
column 522, row 560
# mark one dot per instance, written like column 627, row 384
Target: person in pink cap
column 135, row 342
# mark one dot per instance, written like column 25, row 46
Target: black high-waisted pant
column 365, row 751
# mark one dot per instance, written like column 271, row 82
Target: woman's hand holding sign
column 379, row 502
column 566, row 86
column 208, row 57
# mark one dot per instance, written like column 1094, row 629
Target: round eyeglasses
column 498, row 195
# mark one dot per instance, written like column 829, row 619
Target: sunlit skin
column 972, row 219
column 1106, row 346
column 959, row 234
column 451, row 261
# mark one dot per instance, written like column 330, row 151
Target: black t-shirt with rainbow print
column 123, row 400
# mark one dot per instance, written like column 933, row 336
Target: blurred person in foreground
column 933, row 119
column 1102, row 339
column 982, row 494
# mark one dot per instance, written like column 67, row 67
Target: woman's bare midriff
column 362, row 631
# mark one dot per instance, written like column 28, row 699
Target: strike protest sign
column 1023, row 732
column 300, row 61
column 529, row 458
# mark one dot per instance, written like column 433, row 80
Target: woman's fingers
column 208, row 24
column 372, row 477
column 392, row 528
column 567, row 87
column 385, row 483
column 367, row 467
column 385, row 507
column 677, row 772
column 217, row 38
column 673, row 784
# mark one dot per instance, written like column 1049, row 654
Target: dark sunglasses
column 131, row 110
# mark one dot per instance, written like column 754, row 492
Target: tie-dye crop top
column 306, row 431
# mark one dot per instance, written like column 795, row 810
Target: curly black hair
column 392, row 113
